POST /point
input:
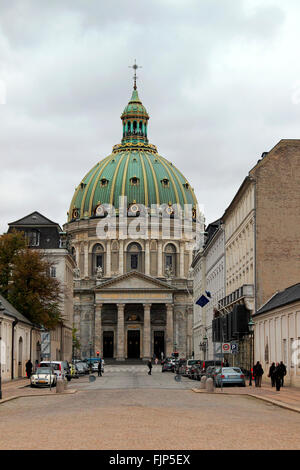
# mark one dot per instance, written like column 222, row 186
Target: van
column 61, row 368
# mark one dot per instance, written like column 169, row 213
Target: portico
column 134, row 317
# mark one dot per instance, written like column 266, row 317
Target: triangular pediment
column 135, row 281
column 33, row 219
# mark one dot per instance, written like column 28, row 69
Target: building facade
column 277, row 333
column 209, row 276
column 43, row 234
column 131, row 224
column 19, row 341
column 262, row 243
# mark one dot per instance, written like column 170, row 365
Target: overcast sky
column 220, row 80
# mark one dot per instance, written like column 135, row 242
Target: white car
column 43, row 377
column 95, row 366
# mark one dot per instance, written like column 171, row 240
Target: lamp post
column 1, row 318
column 251, row 331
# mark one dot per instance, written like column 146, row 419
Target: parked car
column 43, row 377
column 189, row 364
column 61, row 368
column 180, row 366
column 168, row 365
column 229, row 376
column 82, row 368
column 95, row 366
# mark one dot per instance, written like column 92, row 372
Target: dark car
column 168, row 366
column 192, row 371
column 202, row 368
column 180, row 366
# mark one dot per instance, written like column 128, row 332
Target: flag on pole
column 202, row 301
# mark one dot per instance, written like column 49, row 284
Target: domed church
column 130, row 225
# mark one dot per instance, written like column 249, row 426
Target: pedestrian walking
column 100, row 368
column 258, row 373
column 277, row 376
column 149, row 366
column 29, row 367
column 282, row 369
column 271, row 374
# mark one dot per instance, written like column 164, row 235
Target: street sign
column 234, row 348
column 45, row 345
column 226, row 348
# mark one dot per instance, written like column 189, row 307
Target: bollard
column 202, row 382
column 65, row 384
column 60, row 386
column 210, row 386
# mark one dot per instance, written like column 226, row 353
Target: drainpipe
column 30, row 351
column 13, row 348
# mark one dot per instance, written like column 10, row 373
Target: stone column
column 147, row 332
column 147, row 258
column 120, row 333
column 159, row 260
column 108, row 258
column 181, row 261
column 169, row 330
column 121, row 257
column 98, row 329
column 86, row 260
column 77, row 255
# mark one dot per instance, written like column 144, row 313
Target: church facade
column 131, row 225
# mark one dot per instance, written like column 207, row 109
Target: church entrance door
column 133, row 344
column 159, row 343
column 108, row 344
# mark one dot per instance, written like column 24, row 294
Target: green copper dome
column 134, row 169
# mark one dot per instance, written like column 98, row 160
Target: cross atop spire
column 135, row 67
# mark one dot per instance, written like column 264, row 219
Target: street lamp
column 1, row 318
column 251, row 331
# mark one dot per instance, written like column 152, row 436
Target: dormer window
column 82, row 185
column 165, row 182
column 103, row 182
column 134, row 181
column 186, row 185
column 32, row 238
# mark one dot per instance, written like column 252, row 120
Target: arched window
column 170, row 259
column 134, row 257
column 98, row 258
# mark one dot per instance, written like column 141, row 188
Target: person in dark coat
column 282, row 369
column 149, row 366
column 277, row 377
column 271, row 374
column 100, row 368
column 29, row 367
column 258, row 373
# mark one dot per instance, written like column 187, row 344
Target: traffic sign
column 234, row 348
column 226, row 348
column 45, row 345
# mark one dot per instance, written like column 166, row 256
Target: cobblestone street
column 127, row 409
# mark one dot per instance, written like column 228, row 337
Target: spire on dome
column 135, row 67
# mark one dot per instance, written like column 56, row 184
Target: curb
column 268, row 400
column 14, row 397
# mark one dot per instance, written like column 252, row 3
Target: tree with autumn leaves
column 26, row 283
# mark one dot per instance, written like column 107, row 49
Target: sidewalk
column 21, row 388
column 287, row 397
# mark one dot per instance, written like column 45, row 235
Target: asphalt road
column 129, row 410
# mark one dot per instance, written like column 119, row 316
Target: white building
column 209, row 276
column 19, row 339
column 277, row 333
